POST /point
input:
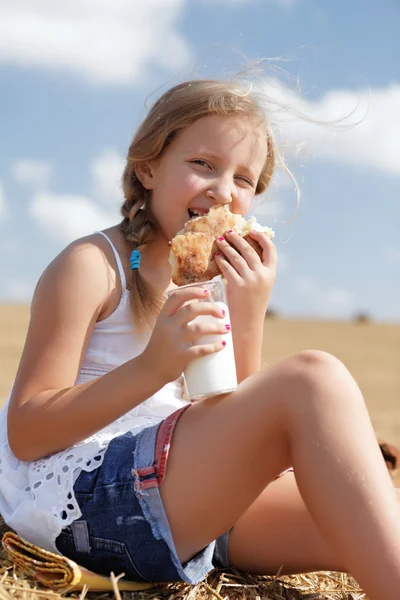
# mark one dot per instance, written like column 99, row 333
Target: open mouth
column 193, row 214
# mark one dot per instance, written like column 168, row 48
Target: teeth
column 196, row 213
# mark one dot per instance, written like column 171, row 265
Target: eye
column 203, row 163
column 245, row 180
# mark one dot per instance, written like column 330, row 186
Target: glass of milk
column 216, row 373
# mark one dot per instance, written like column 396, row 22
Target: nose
column 221, row 192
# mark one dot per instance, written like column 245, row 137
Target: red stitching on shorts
column 163, row 443
column 151, row 483
column 145, row 471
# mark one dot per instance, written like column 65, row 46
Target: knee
column 317, row 374
column 312, row 361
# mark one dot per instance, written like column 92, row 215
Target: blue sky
column 74, row 81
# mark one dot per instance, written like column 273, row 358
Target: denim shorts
column 124, row 527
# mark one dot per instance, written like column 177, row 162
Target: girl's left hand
column 250, row 279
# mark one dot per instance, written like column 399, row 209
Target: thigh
column 224, row 451
column 277, row 533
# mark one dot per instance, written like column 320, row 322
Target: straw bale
column 219, row 585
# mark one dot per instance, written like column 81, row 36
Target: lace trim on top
column 37, row 498
column 47, row 494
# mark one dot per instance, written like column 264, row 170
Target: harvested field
column 372, row 354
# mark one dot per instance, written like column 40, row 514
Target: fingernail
column 205, row 292
column 230, row 231
column 221, row 238
column 223, row 312
column 227, row 327
column 223, row 343
column 218, row 254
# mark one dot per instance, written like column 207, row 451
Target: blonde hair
column 176, row 109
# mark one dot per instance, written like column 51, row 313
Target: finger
column 244, row 248
column 269, row 253
column 226, row 269
column 180, row 296
column 232, row 255
column 194, row 309
column 194, row 352
column 213, row 331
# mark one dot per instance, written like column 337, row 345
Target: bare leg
column 306, row 411
column 277, row 533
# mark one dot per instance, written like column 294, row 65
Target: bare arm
column 48, row 412
column 247, row 341
column 250, row 282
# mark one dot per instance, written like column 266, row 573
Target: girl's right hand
column 173, row 342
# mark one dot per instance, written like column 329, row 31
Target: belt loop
column 81, row 536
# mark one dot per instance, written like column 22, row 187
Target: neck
column 155, row 266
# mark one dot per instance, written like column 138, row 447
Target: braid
column 138, row 226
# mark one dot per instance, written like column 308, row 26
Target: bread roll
column 193, row 249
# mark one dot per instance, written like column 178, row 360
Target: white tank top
column 37, row 498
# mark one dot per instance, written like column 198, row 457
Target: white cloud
column 305, row 285
column 269, row 210
column 270, row 207
column 103, row 42
column 106, row 171
column 283, row 262
column 66, row 217
column 233, row 2
column 373, row 142
column 3, row 204
column 334, row 301
column 228, row 2
column 36, row 173
column 17, row 290
column 338, row 297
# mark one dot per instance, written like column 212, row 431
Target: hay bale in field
column 223, row 585
column 3, row 529
column 219, row 585
column 271, row 313
column 391, row 454
column 362, row 318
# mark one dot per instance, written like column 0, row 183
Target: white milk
column 214, row 374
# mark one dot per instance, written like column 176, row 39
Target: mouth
column 194, row 213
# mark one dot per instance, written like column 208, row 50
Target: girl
column 104, row 461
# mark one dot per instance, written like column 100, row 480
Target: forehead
column 225, row 136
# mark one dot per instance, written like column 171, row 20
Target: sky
column 77, row 77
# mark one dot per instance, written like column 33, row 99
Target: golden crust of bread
column 194, row 258
column 218, row 220
column 193, row 249
column 253, row 244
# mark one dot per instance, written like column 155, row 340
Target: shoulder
column 69, row 298
column 83, row 253
column 86, row 257
column 81, row 272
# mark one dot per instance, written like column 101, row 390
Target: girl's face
column 216, row 160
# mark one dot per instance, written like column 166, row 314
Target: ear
column 145, row 172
